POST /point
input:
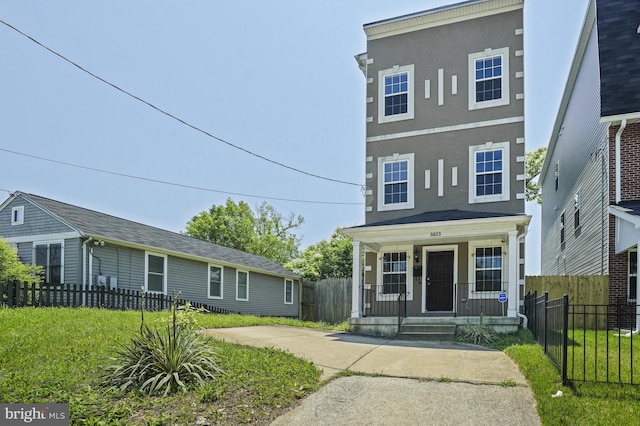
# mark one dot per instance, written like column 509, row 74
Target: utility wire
column 171, row 183
column 168, row 114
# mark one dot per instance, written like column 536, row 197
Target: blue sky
column 276, row 78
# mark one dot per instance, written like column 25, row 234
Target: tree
column 325, row 259
column 11, row 269
column 265, row 231
column 532, row 169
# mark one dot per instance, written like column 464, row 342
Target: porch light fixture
column 416, row 256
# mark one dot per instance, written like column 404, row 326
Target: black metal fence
column 16, row 294
column 587, row 343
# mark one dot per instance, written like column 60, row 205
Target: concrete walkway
column 467, row 384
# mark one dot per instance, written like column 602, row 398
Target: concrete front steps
column 430, row 332
column 388, row 326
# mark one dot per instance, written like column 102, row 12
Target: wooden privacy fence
column 17, row 294
column 328, row 300
column 581, row 289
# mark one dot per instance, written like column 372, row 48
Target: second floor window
column 562, row 228
column 395, row 182
column 489, row 172
column 576, row 210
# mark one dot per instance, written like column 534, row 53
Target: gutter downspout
column 84, row 268
column 623, row 126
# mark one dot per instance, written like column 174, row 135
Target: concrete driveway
column 430, row 383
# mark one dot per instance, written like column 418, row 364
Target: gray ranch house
column 79, row 246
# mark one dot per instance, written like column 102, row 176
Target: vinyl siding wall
column 191, row 279
column 581, row 152
column 36, row 221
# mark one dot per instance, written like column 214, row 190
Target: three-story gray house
column 444, row 224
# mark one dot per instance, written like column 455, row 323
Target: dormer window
column 17, row 215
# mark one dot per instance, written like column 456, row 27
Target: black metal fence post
column 565, row 337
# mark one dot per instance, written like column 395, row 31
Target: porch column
column 356, row 274
column 512, row 290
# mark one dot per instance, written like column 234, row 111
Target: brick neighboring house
column 591, row 176
column 444, row 217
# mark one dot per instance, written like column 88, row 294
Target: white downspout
column 84, row 268
column 623, row 125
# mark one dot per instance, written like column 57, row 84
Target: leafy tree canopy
column 12, row 269
column 532, row 169
column 263, row 231
column 326, row 259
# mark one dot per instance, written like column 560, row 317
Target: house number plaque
column 436, row 234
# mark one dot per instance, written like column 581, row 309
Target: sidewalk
column 466, row 382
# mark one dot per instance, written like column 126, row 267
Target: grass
column 581, row 404
column 57, row 355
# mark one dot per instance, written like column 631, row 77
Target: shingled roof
column 439, row 216
column 90, row 223
column 619, row 48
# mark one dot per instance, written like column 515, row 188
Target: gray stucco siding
column 446, row 47
column 453, row 148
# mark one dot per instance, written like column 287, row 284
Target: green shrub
column 479, row 334
column 163, row 360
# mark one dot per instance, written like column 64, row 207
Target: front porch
column 448, row 267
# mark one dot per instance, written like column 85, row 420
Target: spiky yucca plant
column 163, row 360
column 479, row 334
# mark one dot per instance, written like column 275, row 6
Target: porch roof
column 627, row 214
column 440, row 216
column 439, row 227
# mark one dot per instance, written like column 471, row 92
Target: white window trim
column 577, row 205
column 505, row 78
column 392, row 297
column 629, row 275
column 410, row 182
column 506, row 173
column 290, row 282
column 238, row 272
column 409, row 69
column 209, row 281
column 48, row 244
column 473, row 245
column 146, row 273
column 17, row 216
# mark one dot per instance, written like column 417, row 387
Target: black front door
column 439, row 286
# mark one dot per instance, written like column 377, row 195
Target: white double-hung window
column 489, row 173
column 489, row 78
column 395, row 92
column 395, row 182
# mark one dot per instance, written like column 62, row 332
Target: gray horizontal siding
column 73, row 261
column 36, row 221
column 580, row 150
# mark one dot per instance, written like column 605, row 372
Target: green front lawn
column 581, row 404
column 58, row 354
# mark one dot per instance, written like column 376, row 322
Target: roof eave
column 439, row 16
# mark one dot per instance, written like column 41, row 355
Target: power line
column 180, row 120
column 93, row 169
